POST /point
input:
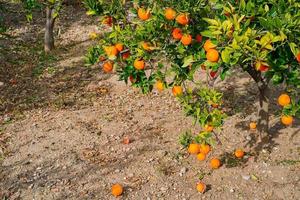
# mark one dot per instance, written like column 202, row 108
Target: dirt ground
column 63, row 125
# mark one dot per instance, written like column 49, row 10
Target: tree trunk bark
column 263, row 110
column 49, row 35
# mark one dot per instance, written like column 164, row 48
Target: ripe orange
column 101, row 58
column 182, row 19
column 208, row 128
column 213, row 74
column 170, row 14
column 298, row 57
column 146, row 46
column 287, row 120
column 159, row 85
column 204, row 148
column 119, row 47
column 201, row 187
column 239, row 153
column 126, row 140
column 209, row 45
column 194, row 148
column 186, row 39
column 132, row 79
column 284, row 100
column 199, row 38
column 177, row 33
column 108, row 20
column 111, row 50
column 260, row 66
column 215, row 163
column 116, row 190
column 252, row 125
column 139, row 64
column 177, row 90
column 144, row 14
column 107, row 66
column 126, row 55
column 201, row 156
column 212, row 55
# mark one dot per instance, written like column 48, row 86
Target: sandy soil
column 69, row 143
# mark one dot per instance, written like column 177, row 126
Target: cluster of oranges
column 112, row 52
column 285, row 100
column 177, row 33
column 212, row 54
column 201, row 151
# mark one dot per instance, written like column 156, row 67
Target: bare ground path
column 67, row 143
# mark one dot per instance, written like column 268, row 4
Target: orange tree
column 166, row 43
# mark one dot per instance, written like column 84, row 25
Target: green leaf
column 207, row 33
column 226, row 55
column 212, row 21
column 187, row 61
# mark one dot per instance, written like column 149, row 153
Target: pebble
column 163, row 189
column 248, row 138
column 182, row 171
column 246, row 177
column 231, row 190
column 1, row 84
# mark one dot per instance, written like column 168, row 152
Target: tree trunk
column 263, row 110
column 49, row 35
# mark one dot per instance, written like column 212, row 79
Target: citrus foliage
column 166, row 43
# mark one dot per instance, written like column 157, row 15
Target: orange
column 204, row 148
column 212, row 55
column 193, row 148
column 170, row 14
column 252, row 125
column 116, row 190
column 287, row 120
column 143, row 14
column 201, row 156
column 199, row 38
column 186, row 39
column 298, row 57
column 177, row 33
column 159, row 85
column 126, row 140
column 201, row 187
column 139, row 64
column 126, row 55
column 209, row 45
column 111, row 50
column 177, row 90
column 108, row 66
column 146, row 46
column 239, row 153
column 108, row 20
column 132, row 79
column 284, row 100
column 260, row 66
column 182, row 19
column 119, row 47
column 208, row 128
column 101, row 58
column 215, row 163
column 213, row 74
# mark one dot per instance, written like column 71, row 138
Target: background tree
column 52, row 8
